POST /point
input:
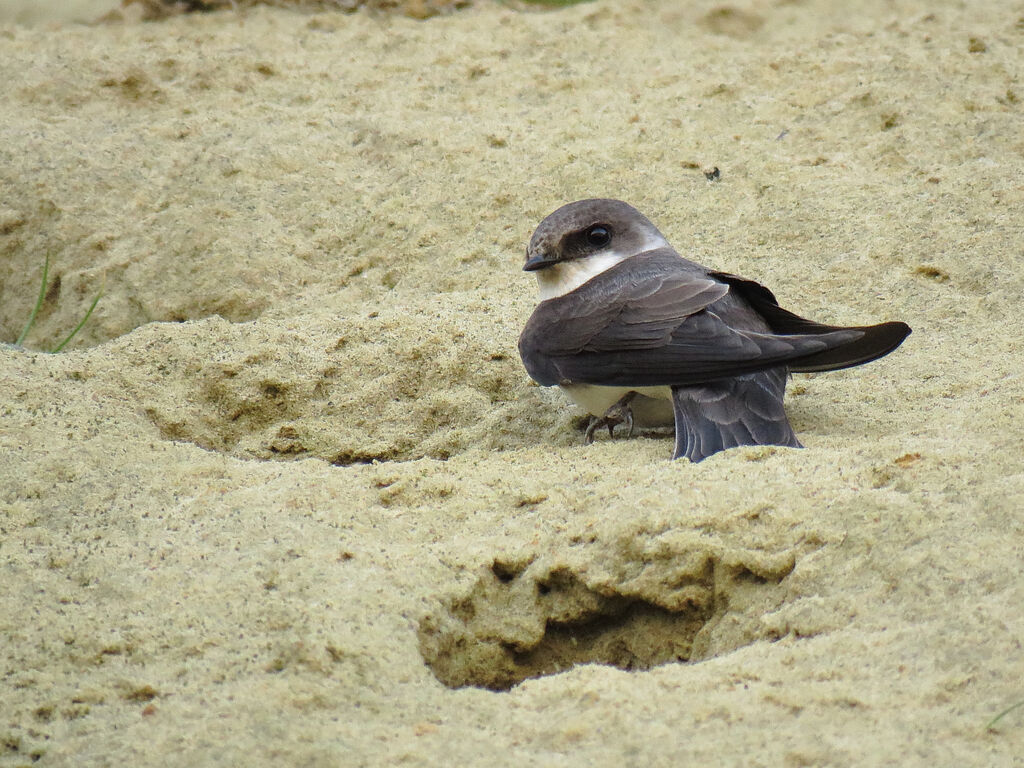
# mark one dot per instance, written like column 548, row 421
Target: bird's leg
column 618, row 413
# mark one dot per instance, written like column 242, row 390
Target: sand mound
column 290, row 497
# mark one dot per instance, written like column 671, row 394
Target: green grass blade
column 1003, row 714
column 81, row 322
column 39, row 302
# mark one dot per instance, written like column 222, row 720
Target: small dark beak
column 537, row 261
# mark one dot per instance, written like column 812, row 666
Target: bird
column 635, row 333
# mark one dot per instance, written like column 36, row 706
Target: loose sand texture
column 289, row 497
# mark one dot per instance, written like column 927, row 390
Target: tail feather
column 744, row 410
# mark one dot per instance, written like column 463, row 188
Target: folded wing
column 657, row 319
column 876, row 341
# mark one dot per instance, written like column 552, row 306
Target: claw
column 618, row 413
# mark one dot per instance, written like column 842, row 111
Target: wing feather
column 657, row 319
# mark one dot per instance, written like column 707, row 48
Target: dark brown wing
column 653, row 320
column 637, row 304
column 876, row 341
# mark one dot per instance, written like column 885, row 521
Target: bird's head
column 582, row 239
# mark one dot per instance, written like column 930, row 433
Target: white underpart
column 595, row 400
column 559, row 279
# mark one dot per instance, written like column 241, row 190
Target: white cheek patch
column 566, row 276
column 559, row 279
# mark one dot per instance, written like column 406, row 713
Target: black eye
column 599, row 236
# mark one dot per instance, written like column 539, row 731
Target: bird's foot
column 619, row 413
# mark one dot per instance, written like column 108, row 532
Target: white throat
column 566, row 276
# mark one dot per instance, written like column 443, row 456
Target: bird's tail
column 744, row 410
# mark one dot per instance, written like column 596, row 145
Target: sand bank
column 290, row 488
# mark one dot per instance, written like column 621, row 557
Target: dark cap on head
column 586, row 227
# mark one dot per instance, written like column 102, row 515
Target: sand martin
column 632, row 331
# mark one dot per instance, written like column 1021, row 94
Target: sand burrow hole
column 533, row 617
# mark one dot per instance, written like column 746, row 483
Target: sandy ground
column 290, row 498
